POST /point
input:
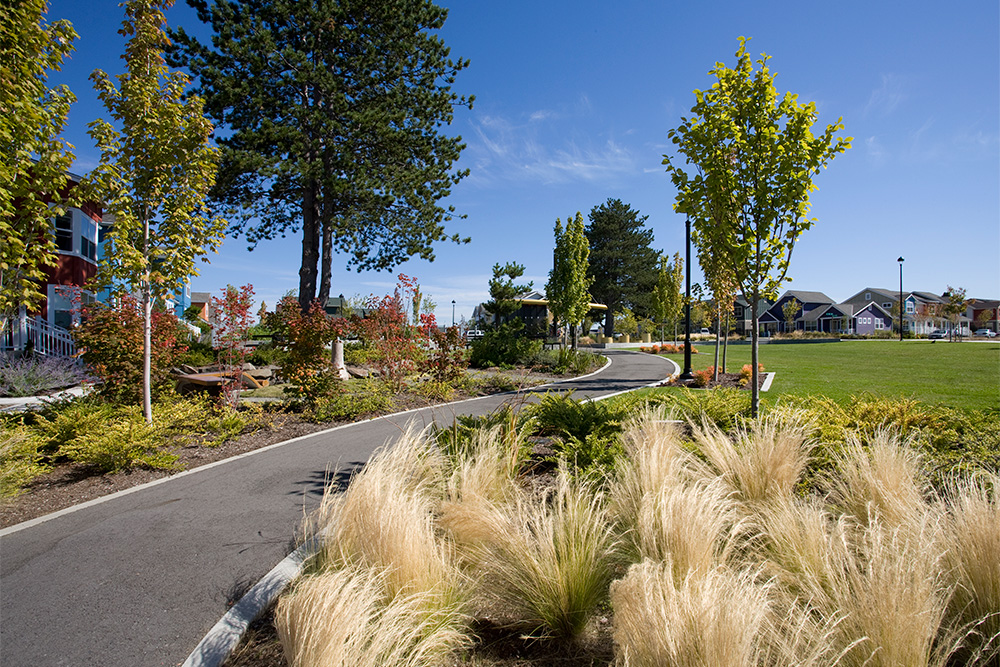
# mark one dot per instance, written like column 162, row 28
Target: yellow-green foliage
column 21, row 460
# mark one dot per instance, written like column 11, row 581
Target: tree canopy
column 332, row 116
column 622, row 263
column 755, row 157
column 567, row 288
column 34, row 160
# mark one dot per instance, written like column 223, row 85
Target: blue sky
column 574, row 101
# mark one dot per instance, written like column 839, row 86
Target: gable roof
column 807, row 297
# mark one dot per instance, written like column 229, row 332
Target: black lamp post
column 687, row 374
column 452, row 312
column 901, row 305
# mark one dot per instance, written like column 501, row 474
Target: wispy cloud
column 876, row 153
column 503, row 151
column 887, row 97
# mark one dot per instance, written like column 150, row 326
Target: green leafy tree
column 332, row 112
column 34, row 160
column 567, row 289
column 504, row 291
column 954, row 307
column 755, row 156
column 622, row 263
column 791, row 310
column 667, row 296
column 155, row 171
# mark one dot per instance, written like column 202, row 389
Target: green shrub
column 562, row 415
column 267, row 355
column 434, row 390
column 513, row 426
column 723, row 406
column 358, row 354
column 63, row 422
column 593, row 457
column 21, row 459
column 197, row 354
column 363, row 397
column 122, row 443
column 504, row 346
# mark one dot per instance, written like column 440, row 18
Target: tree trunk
column 326, row 264
column 725, row 345
column 718, row 320
column 609, row 322
column 754, row 354
column 310, row 247
column 147, row 330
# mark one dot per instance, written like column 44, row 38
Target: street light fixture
column 901, row 305
column 452, row 312
column 687, row 374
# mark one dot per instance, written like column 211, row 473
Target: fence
column 46, row 340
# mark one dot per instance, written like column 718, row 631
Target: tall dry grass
column 385, row 518
column 761, row 461
column 880, row 477
column 974, row 533
column 718, row 617
column 344, row 618
column 549, row 560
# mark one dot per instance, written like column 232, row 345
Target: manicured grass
column 961, row 375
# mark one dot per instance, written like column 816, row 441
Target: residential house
column 984, row 313
column 743, row 315
column 533, row 310
column 812, row 306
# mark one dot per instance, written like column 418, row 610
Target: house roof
column 201, row 297
column 807, row 297
column 880, row 291
column 929, row 297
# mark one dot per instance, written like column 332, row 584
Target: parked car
column 474, row 334
column 937, row 334
column 986, row 333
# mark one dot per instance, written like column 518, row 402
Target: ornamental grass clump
column 717, row 617
column 382, row 589
column 761, row 461
column 344, row 618
column 974, row 560
column 549, row 560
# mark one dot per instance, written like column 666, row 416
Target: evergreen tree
column 332, row 114
column 566, row 290
column 622, row 263
column 34, row 160
column 504, row 291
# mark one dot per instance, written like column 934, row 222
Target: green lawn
column 962, row 375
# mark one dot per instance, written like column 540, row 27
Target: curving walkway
column 139, row 577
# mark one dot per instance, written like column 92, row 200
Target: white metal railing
column 47, row 340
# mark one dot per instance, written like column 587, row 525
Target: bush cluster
column 30, row 376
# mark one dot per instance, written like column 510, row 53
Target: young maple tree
column 231, row 322
column 755, row 157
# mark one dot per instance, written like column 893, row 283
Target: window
column 868, row 296
column 879, row 325
column 887, row 304
column 64, row 233
column 909, row 306
column 88, row 249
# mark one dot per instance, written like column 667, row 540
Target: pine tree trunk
column 725, row 345
column 326, row 263
column 310, row 247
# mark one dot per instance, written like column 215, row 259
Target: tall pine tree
column 622, row 263
column 331, row 114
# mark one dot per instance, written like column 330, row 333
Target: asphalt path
column 138, row 578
